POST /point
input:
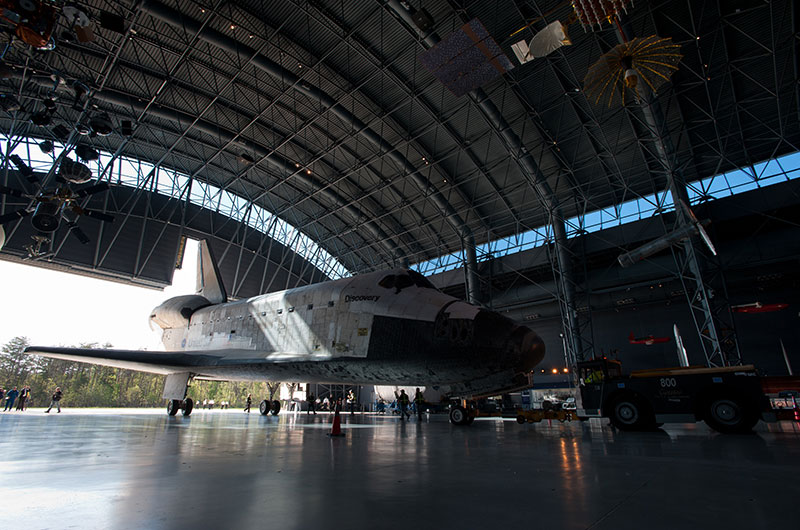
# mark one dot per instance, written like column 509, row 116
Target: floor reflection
column 230, row 469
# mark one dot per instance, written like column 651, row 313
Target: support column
column 471, row 270
column 562, row 262
column 709, row 306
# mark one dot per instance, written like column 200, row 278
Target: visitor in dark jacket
column 56, row 401
column 24, row 392
column 11, row 396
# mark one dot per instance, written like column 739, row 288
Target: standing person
column 419, row 401
column 24, row 392
column 312, row 403
column 11, row 396
column 402, row 402
column 55, row 401
column 351, row 400
column 2, row 393
column 249, row 402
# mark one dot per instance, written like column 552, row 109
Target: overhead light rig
column 35, row 22
column 50, row 206
column 41, row 25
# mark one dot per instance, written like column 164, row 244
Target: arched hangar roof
column 322, row 114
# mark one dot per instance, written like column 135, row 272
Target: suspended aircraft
column 383, row 328
column 758, row 307
column 649, row 340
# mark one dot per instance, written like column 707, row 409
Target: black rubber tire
column 264, row 407
column 547, row 405
column 275, row 408
column 458, row 415
column 188, row 406
column 521, row 419
column 172, row 406
column 629, row 413
column 730, row 414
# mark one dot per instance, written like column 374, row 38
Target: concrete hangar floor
column 140, row 469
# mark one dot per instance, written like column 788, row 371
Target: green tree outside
column 88, row 385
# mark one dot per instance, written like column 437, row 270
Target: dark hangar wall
column 758, row 236
column 141, row 246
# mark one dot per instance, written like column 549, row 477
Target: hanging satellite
column 551, row 38
column 691, row 228
column 467, row 59
column 593, row 13
column 33, row 21
column 79, row 20
column 649, row 59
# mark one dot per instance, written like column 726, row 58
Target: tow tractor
column 729, row 399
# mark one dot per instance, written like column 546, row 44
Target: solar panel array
column 467, row 59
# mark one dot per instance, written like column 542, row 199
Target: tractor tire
column 458, row 415
column 628, row 412
column 730, row 414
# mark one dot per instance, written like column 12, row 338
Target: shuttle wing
column 142, row 361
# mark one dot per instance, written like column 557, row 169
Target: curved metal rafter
column 170, row 16
column 337, row 89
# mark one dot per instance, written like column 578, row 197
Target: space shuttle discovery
column 383, row 328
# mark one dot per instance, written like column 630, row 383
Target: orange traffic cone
column 336, row 428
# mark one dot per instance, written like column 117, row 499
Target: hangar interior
column 313, row 140
column 602, row 171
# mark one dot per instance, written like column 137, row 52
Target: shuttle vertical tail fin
column 209, row 280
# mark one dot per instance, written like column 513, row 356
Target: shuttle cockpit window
column 398, row 282
column 387, row 282
column 421, row 281
column 402, row 281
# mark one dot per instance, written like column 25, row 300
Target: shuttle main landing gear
column 175, row 388
column 267, row 407
column 185, row 406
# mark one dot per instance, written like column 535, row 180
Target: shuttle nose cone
column 528, row 346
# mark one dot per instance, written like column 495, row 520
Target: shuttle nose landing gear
column 266, row 407
column 185, row 406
